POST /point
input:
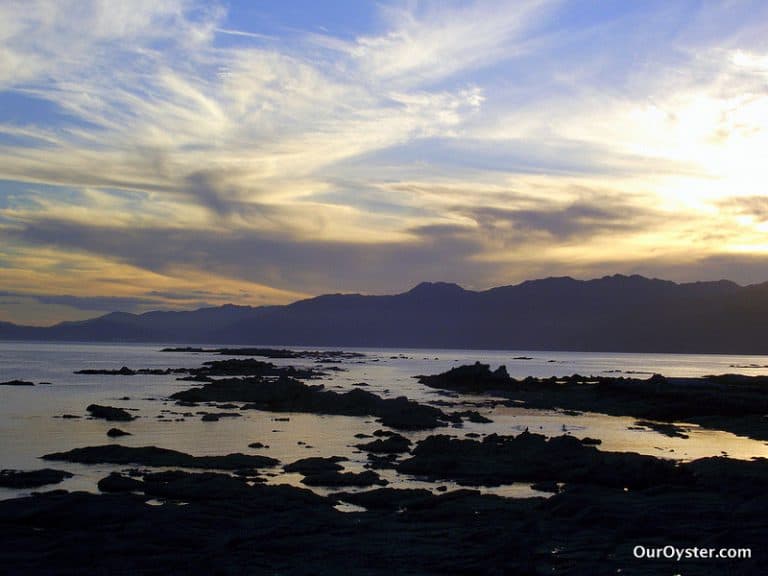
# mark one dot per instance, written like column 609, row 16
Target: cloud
column 174, row 147
column 574, row 222
column 436, row 41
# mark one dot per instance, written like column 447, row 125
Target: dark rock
column 394, row 444
column 469, row 378
column 366, row 478
column 315, row 465
column 31, row 478
column 109, row 413
column 124, row 371
column 116, row 432
column 546, row 486
column 666, row 428
column 384, row 498
column 473, row 416
column 587, row 441
column 153, row 456
column 289, row 395
column 257, row 445
column 17, row 383
column 734, row 403
column 69, row 416
column 533, row 458
column 117, row 482
column 382, row 461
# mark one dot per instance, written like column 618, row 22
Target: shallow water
column 29, row 426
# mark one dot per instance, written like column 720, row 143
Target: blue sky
column 175, row 153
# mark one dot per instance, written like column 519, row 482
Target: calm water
column 29, row 426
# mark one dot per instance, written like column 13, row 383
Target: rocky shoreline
column 166, row 511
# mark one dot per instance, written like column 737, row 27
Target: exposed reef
column 17, row 383
column 286, row 394
column 31, row 478
column 230, row 525
column 534, row 458
column 110, row 413
column 211, row 368
column 272, row 353
column 153, row 456
column 734, row 403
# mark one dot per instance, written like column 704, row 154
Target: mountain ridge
column 610, row 314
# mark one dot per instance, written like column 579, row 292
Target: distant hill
column 615, row 313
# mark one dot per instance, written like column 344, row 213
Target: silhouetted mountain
column 615, row 313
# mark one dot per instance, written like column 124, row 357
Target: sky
column 173, row 154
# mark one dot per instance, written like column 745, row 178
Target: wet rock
column 382, row 461
column 587, row 441
column 473, row 416
column 534, row 458
column 31, row 478
column 366, row 478
column 109, row 413
column 257, row 445
column 384, row 498
column 216, row 416
column 730, row 402
column 289, row 395
column 666, row 428
column 116, row 433
column 315, row 465
column 546, row 486
column 472, row 378
column 153, row 457
column 117, row 482
column 394, row 444
column 17, row 383
column 124, row 371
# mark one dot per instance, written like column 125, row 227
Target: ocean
column 31, row 423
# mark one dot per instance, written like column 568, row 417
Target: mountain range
column 615, row 313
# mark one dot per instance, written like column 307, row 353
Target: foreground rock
column 286, row 394
column 153, row 456
column 31, row 478
column 110, row 413
column 228, row 526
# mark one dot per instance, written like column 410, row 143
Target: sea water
column 31, row 423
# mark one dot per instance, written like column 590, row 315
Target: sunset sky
column 171, row 154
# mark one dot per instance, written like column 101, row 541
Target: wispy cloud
column 180, row 145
